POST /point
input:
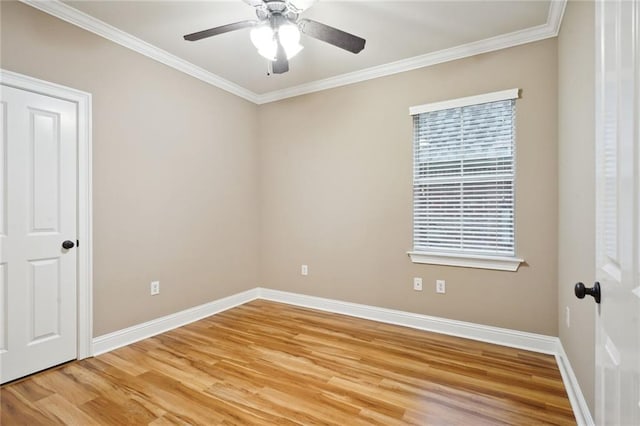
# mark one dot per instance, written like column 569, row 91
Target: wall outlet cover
column 155, row 288
column 417, row 284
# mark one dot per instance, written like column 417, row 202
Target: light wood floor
column 266, row 363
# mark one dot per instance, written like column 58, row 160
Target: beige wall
column 174, row 171
column 576, row 249
column 212, row 195
column 197, row 188
column 336, row 193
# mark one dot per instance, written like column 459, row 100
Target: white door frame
column 84, row 208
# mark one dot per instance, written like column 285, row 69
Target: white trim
column 576, row 397
column 516, row 38
column 483, row 333
column 84, row 231
column 127, row 336
column 466, row 101
column 74, row 16
column 467, row 260
column 69, row 14
column 555, row 15
column 85, row 228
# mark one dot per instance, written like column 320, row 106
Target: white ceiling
column 400, row 35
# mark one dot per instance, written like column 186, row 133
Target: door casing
column 84, row 207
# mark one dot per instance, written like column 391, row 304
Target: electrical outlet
column 155, row 287
column 417, row 284
column 440, row 286
column 304, row 270
column 567, row 316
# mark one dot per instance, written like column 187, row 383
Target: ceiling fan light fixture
column 289, row 36
column 293, row 50
column 269, row 52
column 263, row 38
column 276, row 33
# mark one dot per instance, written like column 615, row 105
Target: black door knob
column 68, row 245
column 594, row 291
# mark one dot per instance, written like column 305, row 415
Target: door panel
column 3, row 227
column 3, row 172
column 44, row 170
column 44, row 286
column 39, row 192
column 3, row 307
column 618, row 213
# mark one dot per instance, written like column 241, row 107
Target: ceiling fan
column 276, row 33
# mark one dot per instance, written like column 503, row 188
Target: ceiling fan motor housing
column 276, row 8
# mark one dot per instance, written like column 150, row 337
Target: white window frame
column 502, row 263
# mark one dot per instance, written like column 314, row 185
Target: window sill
column 466, row 260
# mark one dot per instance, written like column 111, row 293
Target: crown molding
column 73, row 16
column 556, row 13
column 516, row 38
column 69, row 14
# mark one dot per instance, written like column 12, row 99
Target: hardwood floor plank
column 30, row 390
column 55, row 380
column 19, row 411
column 266, row 363
column 67, row 413
column 106, row 411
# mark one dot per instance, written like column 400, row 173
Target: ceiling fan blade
column 219, row 30
column 281, row 64
column 331, row 35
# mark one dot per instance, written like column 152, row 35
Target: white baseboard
column 129, row 335
column 484, row 333
column 578, row 403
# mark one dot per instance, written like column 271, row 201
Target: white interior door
column 618, row 211
column 38, row 213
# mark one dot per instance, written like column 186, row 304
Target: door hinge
column 77, row 243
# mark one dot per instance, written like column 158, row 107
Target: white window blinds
column 463, row 178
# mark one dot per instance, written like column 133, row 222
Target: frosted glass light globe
column 263, row 39
column 289, row 35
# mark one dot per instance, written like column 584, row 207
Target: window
column 463, row 182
